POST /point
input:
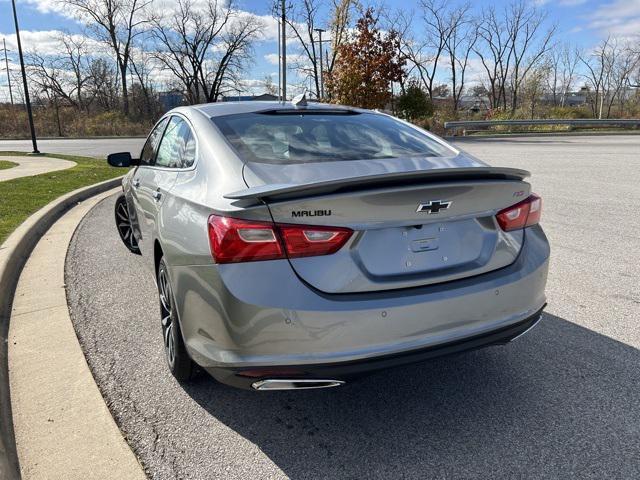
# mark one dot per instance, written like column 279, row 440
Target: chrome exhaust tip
column 295, row 384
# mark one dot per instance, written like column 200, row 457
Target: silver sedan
column 302, row 245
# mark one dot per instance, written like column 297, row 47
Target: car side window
column 177, row 148
column 189, row 147
column 150, row 147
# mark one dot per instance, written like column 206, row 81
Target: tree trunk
column 125, row 91
column 57, row 110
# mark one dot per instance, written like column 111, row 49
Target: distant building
column 249, row 98
column 572, row 99
column 171, row 99
column 474, row 103
column 576, row 99
column 470, row 103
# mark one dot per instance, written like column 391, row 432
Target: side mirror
column 121, row 159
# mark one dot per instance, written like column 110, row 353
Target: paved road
column 92, row 147
column 561, row 402
column 29, row 166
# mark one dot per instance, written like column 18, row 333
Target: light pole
column 24, row 81
column 6, row 62
column 279, row 64
column 284, row 51
column 321, row 93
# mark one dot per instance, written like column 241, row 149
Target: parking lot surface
column 90, row 147
column 563, row 401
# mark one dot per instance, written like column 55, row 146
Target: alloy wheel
column 123, row 223
column 166, row 306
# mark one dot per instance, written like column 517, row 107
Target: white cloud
column 620, row 18
column 49, row 6
column 292, row 58
column 45, row 42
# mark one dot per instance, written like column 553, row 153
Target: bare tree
column 76, row 59
column 424, row 51
column 116, row 23
column 63, row 76
column 626, row 64
column 302, row 20
column 510, row 45
column 142, row 68
column 533, row 86
column 235, row 53
column 204, row 46
column 492, row 49
column 562, row 61
column 569, row 60
column 103, row 84
column 553, row 60
column 51, row 83
column 45, row 73
column 609, row 68
column 529, row 42
column 461, row 38
column 269, row 86
column 599, row 66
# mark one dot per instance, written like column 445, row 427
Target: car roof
column 228, row 108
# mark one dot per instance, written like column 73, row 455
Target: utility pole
column 279, row 64
column 24, row 81
column 321, row 92
column 6, row 62
column 284, row 51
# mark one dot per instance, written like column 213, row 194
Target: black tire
column 123, row 225
column 175, row 352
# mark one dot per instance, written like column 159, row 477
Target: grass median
column 21, row 197
column 4, row 164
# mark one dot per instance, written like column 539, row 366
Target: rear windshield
column 318, row 136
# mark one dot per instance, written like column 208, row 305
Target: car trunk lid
column 415, row 221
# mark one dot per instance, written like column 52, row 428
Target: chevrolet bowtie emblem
column 434, row 206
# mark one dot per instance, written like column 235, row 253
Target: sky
column 580, row 22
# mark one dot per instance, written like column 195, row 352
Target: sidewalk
column 63, row 428
column 29, row 166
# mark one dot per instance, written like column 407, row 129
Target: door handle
column 136, row 183
column 156, row 195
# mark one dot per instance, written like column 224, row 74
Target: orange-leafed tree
column 366, row 65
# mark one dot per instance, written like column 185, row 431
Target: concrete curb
column 14, row 253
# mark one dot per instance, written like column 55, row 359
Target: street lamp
column 24, row 81
column 320, row 32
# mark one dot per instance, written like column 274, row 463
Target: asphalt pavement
column 90, row 147
column 563, row 401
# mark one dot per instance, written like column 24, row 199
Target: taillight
column 236, row 240
column 523, row 214
column 309, row 241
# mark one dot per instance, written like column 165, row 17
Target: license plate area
column 424, row 244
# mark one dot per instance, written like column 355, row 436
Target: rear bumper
column 344, row 371
column 246, row 316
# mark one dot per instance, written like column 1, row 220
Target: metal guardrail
column 582, row 122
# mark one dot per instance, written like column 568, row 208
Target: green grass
column 4, row 164
column 21, row 197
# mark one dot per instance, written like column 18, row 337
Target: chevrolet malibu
column 301, row 245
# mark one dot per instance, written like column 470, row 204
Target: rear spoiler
column 287, row 190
